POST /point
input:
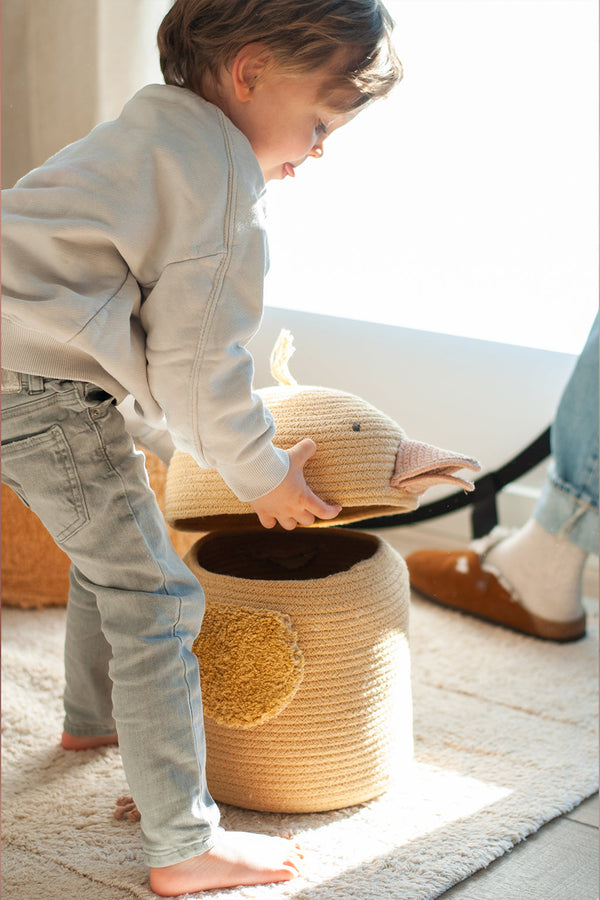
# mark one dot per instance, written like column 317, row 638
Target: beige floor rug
column 505, row 734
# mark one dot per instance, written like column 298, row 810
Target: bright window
column 467, row 202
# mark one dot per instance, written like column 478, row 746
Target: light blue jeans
column 568, row 505
column 134, row 608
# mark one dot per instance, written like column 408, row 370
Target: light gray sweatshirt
column 134, row 259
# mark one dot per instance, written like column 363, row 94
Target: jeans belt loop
column 11, row 382
column 35, row 384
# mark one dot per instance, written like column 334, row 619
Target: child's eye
column 321, row 128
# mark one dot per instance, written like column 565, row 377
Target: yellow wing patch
column 250, row 664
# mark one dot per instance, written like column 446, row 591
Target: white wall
column 466, row 202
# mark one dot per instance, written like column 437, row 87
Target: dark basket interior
column 297, row 555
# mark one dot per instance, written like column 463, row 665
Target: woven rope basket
column 352, row 437
column 364, row 460
column 345, row 726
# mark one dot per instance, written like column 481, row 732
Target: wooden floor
column 560, row 861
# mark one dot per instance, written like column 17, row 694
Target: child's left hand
column 292, row 502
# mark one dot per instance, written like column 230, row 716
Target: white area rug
column 505, row 734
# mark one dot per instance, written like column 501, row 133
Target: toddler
column 133, row 266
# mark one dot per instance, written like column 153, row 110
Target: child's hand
column 292, row 502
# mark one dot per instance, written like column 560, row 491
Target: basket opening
column 226, row 521
column 297, row 555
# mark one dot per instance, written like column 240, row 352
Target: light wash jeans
column 134, row 608
column 568, row 505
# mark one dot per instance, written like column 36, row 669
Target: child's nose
column 317, row 151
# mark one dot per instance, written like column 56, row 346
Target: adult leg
column 568, row 506
column 544, row 560
column 531, row 580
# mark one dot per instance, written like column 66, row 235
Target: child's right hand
column 292, row 502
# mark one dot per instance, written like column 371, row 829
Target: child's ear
column 248, row 66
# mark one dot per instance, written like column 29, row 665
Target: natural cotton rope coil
column 363, row 460
column 348, row 727
column 357, row 447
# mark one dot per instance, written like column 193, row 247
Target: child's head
column 263, row 60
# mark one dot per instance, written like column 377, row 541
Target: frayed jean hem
column 561, row 512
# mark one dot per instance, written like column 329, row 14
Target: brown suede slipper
column 457, row 580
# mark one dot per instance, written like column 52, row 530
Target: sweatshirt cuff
column 258, row 477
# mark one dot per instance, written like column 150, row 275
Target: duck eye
column 356, row 426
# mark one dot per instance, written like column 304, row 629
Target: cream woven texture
column 349, row 725
column 354, row 464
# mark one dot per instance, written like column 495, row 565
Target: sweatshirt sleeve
column 198, row 318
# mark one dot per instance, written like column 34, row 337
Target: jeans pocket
column 97, row 400
column 42, row 471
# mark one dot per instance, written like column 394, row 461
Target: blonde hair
column 199, row 37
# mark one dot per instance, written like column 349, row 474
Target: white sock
column 545, row 570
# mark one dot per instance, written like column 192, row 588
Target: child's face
column 285, row 118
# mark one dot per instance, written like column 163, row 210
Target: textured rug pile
column 505, row 740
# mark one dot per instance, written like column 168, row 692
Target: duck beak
column 420, row 466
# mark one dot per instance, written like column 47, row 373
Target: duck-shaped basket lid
column 364, row 460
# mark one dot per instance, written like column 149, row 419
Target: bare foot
column 69, row 742
column 126, row 809
column 237, row 858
